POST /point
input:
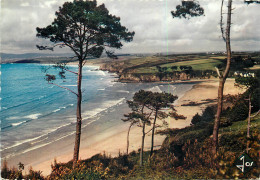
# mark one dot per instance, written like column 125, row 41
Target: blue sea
column 35, row 113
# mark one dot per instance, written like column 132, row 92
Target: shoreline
column 114, row 142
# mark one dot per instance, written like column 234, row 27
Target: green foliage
column 81, row 171
column 34, row 175
column 188, row 9
column 250, row 82
column 207, row 116
column 5, row 172
column 174, row 68
column 238, row 112
column 161, row 100
column 141, row 100
column 15, row 173
column 196, row 119
column 87, row 29
column 97, row 167
column 50, row 78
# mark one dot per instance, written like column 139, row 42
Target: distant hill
column 6, row 56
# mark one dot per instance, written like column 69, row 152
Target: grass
column 197, row 161
column 147, row 64
column 242, row 125
column 201, row 64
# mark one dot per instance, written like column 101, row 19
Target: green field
column 197, row 63
column 146, row 64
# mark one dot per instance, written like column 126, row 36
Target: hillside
column 173, row 67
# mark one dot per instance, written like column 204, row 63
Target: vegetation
column 185, row 154
column 146, row 109
column 87, row 30
column 139, row 115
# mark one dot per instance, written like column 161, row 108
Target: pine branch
column 70, row 71
column 64, row 88
column 221, row 22
column 256, row 114
column 218, row 72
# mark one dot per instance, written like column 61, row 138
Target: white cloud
column 151, row 21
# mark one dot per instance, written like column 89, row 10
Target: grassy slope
column 147, row 64
column 232, row 145
column 198, row 162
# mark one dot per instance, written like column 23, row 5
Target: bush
column 208, row 114
column 238, row 112
column 5, row 172
column 81, row 171
column 15, row 173
column 196, row 119
column 33, row 175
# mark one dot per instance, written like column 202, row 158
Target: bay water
column 35, row 113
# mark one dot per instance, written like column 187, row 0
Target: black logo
column 244, row 163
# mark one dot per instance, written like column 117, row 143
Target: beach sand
column 113, row 143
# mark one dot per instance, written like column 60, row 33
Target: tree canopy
column 87, row 29
column 188, row 9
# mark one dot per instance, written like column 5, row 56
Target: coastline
column 113, row 140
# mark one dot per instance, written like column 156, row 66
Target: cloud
column 156, row 31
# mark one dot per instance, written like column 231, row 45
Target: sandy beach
column 113, row 142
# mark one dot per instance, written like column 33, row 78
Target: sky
column 155, row 29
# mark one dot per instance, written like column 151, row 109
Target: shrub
column 34, row 175
column 196, row 119
column 208, row 114
column 238, row 112
column 5, row 171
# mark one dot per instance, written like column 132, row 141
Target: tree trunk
column 154, row 122
column 248, row 123
column 217, row 119
column 142, row 146
column 79, row 119
column 222, row 81
column 127, row 145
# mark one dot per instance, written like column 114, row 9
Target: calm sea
column 35, row 113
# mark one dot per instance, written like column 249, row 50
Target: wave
column 56, row 110
column 123, row 91
column 88, row 114
column 35, row 138
column 155, row 89
column 32, row 100
column 33, row 116
column 13, row 118
column 17, row 124
column 22, row 142
column 60, row 108
column 42, row 145
column 95, row 73
column 70, row 85
column 97, row 111
column 102, row 73
column 30, row 117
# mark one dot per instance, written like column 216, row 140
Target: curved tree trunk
column 152, row 142
column 127, row 145
column 142, row 147
column 222, row 81
column 79, row 118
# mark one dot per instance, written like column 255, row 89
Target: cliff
column 128, row 75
